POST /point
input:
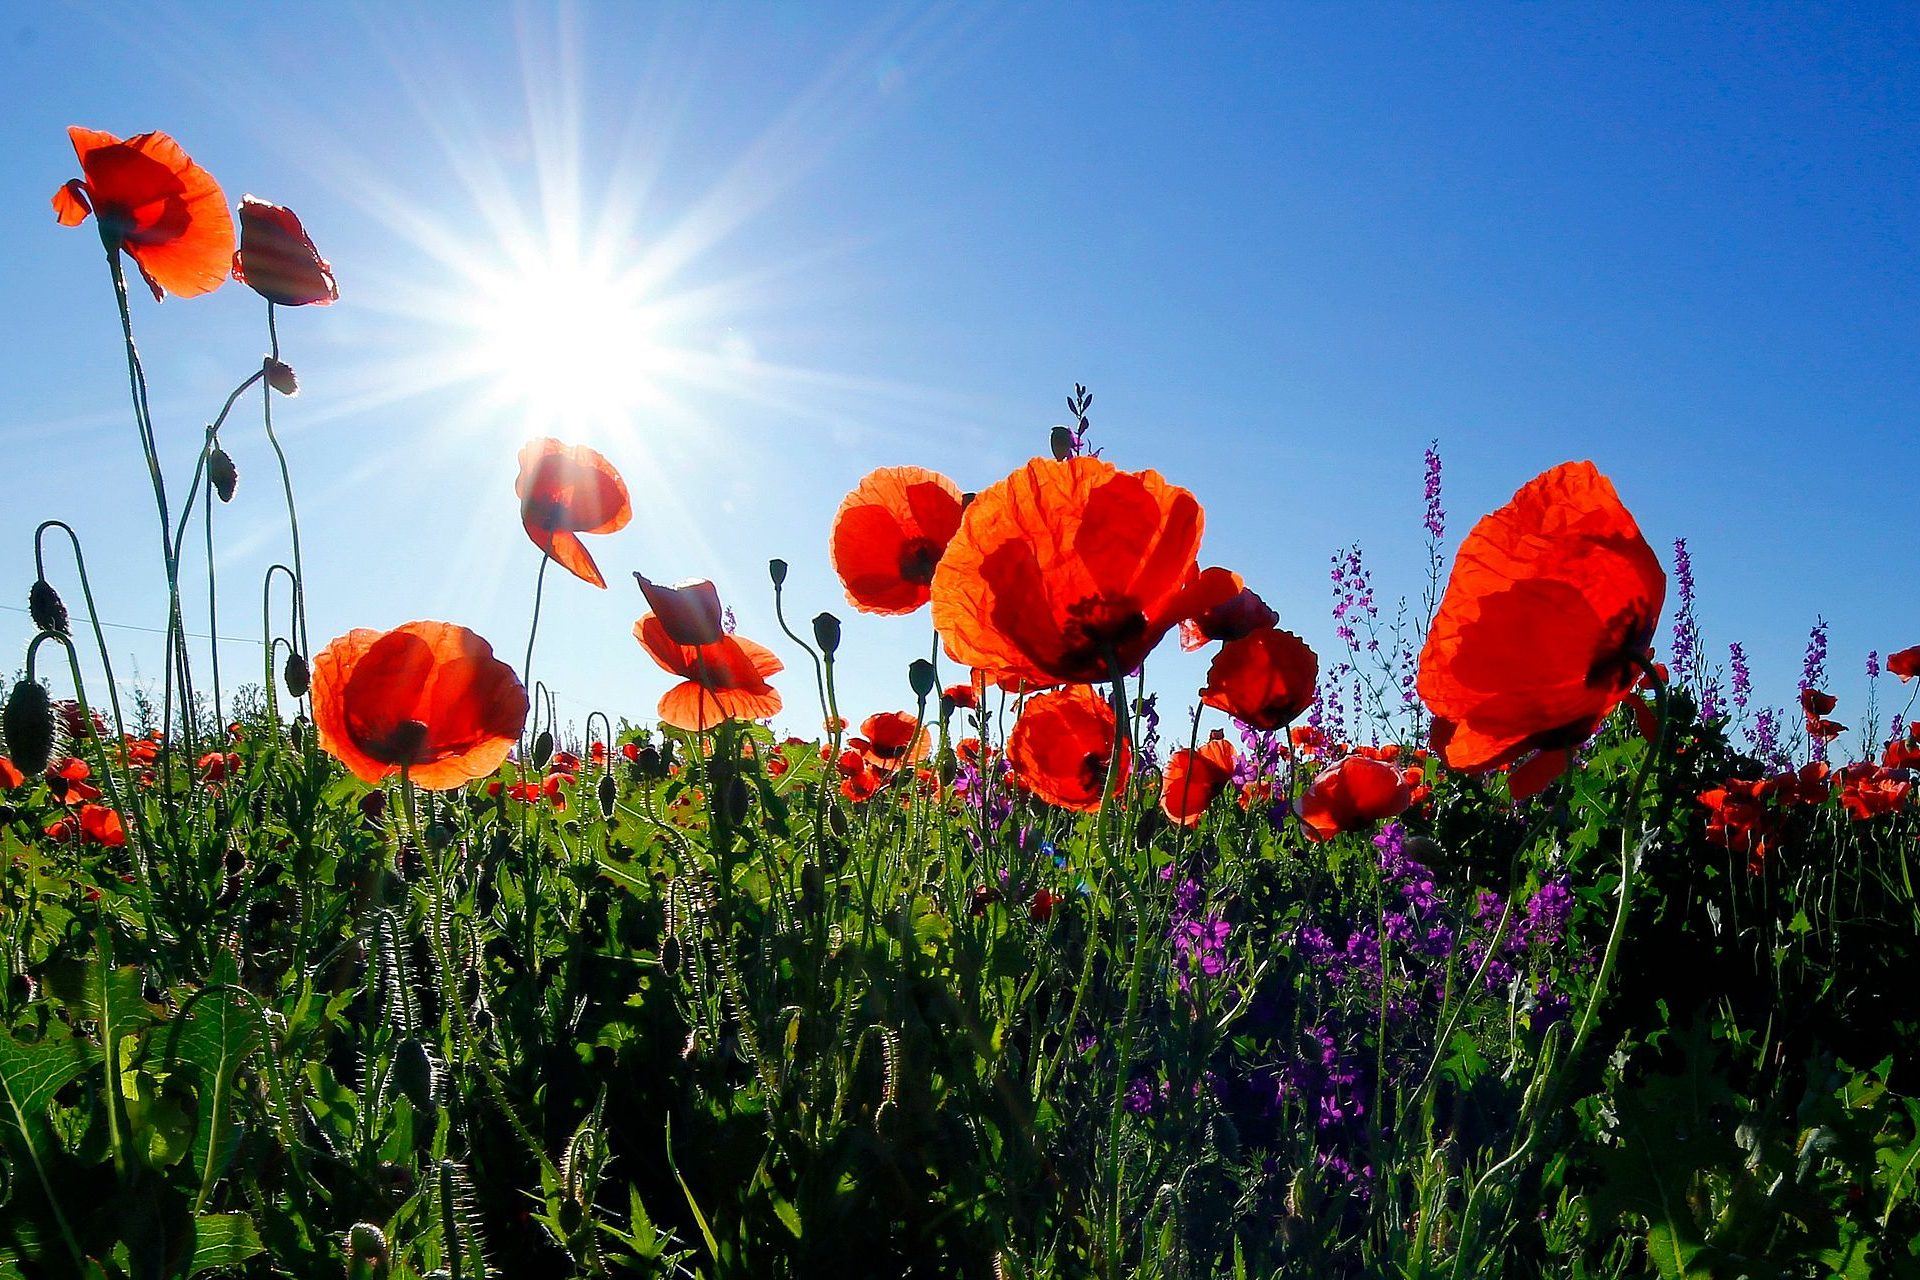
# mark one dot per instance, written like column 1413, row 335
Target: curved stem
column 286, row 485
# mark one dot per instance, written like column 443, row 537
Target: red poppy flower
column 861, row 786
column 567, row 490
column 1738, row 818
column 166, row 211
column 1536, row 775
column 1552, row 602
column 277, row 260
column 1264, row 679
column 428, row 697
column 1223, row 609
column 1194, row 778
column 1065, row 572
column 725, row 680
column 963, row 697
column 216, row 766
column 102, row 825
column 1905, row 664
column 891, row 739
column 1350, row 794
column 1869, row 791
column 888, row 536
column 689, row 610
column 1040, row 910
column 10, row 775
column 1062, row 745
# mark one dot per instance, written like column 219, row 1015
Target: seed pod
column 1061, row 443
column 295, row 672
column 28, row 727
column 777, row 570
column 222, row 474
column 280, row 377
column 607, row 792
column 46, row 608
column 921, row 676
column 826, row 633
column 413, row 1073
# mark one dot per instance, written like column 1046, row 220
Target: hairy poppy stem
column 286, row 484
column 93, row 618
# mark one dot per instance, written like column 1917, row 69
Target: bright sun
column 567, row 342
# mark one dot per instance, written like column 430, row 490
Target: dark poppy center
column 1102, row 629
column 405, row 744
column 918, row 559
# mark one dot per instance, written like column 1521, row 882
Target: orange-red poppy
column 889, row 534
column 1194, row 777
column 1224, row 608
column 1550, row 608
column 1350, row 794
column 277, row 260
column 166, row 211
column 1066, row 572
column 725, row 680
column 1062, row 746
column 10, row 775
column 1905, row 664
column 690, row 610
column 426, row 697
column 102, row 825
column 566, row 490
column 889, row 740
column 1264, row 679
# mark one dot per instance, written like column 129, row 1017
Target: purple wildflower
column 1436, row 514
column 1742, row 677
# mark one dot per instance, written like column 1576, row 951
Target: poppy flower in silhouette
column 1224, row 608
column 1264, row 679
column 1551, row 606
column 889, row 740
column 566, row 490
column 428, row 697
column 166, row 211
column 1194, row 777
column 889, row 534
column 277, row 260
column 725, row 680
column 1066, row 572
column 1905, row 664
column 1062, row 745
column 1350, row 794
column 690, row 611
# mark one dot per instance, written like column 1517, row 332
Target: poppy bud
column 413, row 1073
column 48, row 610
column 922, row 677
column 647, row 763
column 739, row 796
column 826, row 633
column 542, row 749
column 222, row 474
column 777, row 570
column 28, row 727
column 1062, row 444
column 298, row 678
column 366, row 1250
column 280, row 377
column 373, row 807
column 607, row 792
column 439, row 834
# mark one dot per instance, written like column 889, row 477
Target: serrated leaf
column 218, row 1035
column 223, row 1240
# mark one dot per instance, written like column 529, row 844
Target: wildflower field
column 1517, row 935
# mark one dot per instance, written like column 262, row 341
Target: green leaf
column 218, row 1035
column 788, row 1215
column 1673, row 1249
column 222, row 1240
column 31, row 1074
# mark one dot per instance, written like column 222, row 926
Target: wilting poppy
column 1066, row 572
column 566, row 490
column 1264, row 680
column 1550, row 608
column 277, row 260
column 690, row 611
column 725, row 680
column 888, row 536
column 1062, row 745
column 889, row 740
column 1224, row 608
column 1350, row 794
column 166, row 211
column 428, row 697
column 1193, row 778
column 1905, row 664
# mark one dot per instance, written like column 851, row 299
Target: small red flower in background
column 567, row 490
column 1817, row 705
column 67, row 780
column 153, row 201
column 1223, row 609
column 861, row 785
column 1040, row 910
column 1350, row 794
column 1868, row 791
column 889, row 740
column 97, row 823
column 1739, row 819
column 1550, row 607
column 1193, row 778
column 725, row 680
column 426, row 696
column 1062, row 745
column 1264, row 679
column 963, row 697
column 10, row 776
column 888, row 537
column 277, row 260
column 1065, row 571
column 217, row 766
column 1905, row 664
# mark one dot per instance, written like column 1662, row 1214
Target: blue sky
column 1284, row 245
